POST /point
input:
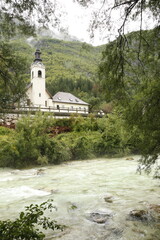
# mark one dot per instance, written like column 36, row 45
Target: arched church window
column 40, row 73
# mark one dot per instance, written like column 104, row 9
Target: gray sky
column 77, row 21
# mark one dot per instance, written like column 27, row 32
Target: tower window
column 39, row 94
column 32, row 74
column 40, row 73
column 28, row 102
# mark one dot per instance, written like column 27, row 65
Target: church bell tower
column 38, row 81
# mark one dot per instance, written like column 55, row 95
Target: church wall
column 48, row 99
column 29, row 93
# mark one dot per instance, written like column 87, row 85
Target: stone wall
column 9, row 119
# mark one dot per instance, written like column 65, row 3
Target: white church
column 38, row 97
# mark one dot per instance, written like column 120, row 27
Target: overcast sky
column 75, row 20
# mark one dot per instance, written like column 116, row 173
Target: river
column 82, row 190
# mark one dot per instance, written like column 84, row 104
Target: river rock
column 130, row 158
column 15, row 171
column 108, row 199
column 99, row 217
column 155, row 211
column 139, row 215
column 40, row 171
column 155, row 208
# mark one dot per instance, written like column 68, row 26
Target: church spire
column 38, row 56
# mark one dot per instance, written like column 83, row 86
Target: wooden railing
column 57, row 112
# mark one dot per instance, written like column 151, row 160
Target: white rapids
column 79, row 190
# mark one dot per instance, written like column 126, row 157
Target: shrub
column 5, row 131
column 58, row 152
column 42, row 160
column 32, row 139
column 82, row 148
column 25, row 227
column 8, row 151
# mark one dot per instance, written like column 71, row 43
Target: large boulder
column 151, row 214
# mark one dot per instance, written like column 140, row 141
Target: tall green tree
column 12, row 75
column 133, row 83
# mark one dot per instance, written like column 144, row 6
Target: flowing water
column 82, row 190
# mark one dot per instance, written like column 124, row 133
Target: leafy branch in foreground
column 25, row 227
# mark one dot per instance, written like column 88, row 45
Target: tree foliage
column 12, row 75
column 25, row 227
column 134, row 84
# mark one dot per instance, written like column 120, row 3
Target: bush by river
column 42, row 140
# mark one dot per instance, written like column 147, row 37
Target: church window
column 28, row 102
column 32, row 74
column 40, row 73
column 39, row 94
column 45, row 103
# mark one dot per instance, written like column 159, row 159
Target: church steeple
column 38, row 95
column 38, row 56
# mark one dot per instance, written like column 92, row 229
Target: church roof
column 65, row 97
column 29, row 85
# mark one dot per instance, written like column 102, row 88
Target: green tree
column 12, row 79
column 136, row 88
column 32, row 141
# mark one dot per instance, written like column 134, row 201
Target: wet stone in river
column 138, row 215
column 99, row 217
column 108, row 199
